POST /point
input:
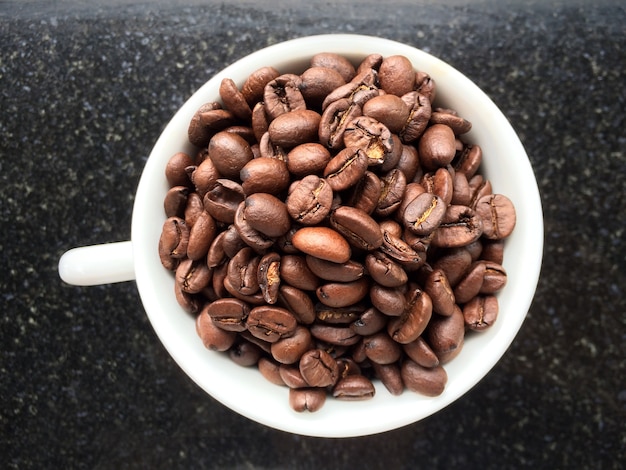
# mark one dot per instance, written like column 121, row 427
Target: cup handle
column 98, row 264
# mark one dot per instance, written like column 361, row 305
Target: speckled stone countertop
column 85, row 92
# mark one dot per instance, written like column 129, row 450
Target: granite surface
column 85, row 91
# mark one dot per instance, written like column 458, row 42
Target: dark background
column 84, row 93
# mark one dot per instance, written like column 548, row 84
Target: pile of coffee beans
column 332, row 228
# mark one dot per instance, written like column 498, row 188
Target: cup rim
column 267, row 403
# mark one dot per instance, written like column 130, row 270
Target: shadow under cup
column 245, row 390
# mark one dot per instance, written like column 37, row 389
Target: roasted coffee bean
column 384, row 270
column 192, row 276
column 199, row 133
column 234, row 100
column 469, row 160
column 357, row 227
column 461, row 195
column 478, row 187
column 264, row 175
column 459, row 226
column 359, row 90
column 338, row 315
column 291, row 376
column 229, row 153
column 430, row 382
column 409, row 163
column 322, row 242
column 371, row 136
column 289, row 350
column 393, row 188
column 271, row 323
column 335, row 334
column 335, row 118
column 421, row 352
column 380, row 348
column 480, row 312
column 389, row 375
column 228, row 314
column 250, row 236
column 445, row 335
column 309, row 200
column 318, row 368
column 469, row 286
column 307, row 159
column 346, row 168
column 294, row 128
column 400, row 251
column 203, row 176
column 389, row 300
column 295, row 272
column 269, row 149
column 282, row 95
column 267, row 214
column 437, row 147
column 212, row 336
column 242, row 271
column 217, row 281
column 494, row 279
column 371, row 321
column 232, row 241
column 270, row 370
column 222, row 200
column 193, row 209
column 365, row 194
column 413, row 321
column 371, row 61
column 392, row 227
column 245, row 353
column 335, row 62
column 176, row 201
column 396, row 75
column 353, row 388
column 451, row 119
column 201, row 236
column 439, row 183
column 425, row 84
column 174, row 240
column 268, row 275
column 176, row 170
column 339, row 272
column 424, row 214
column 342, row 294
column 260, row 123
column 419, row 115
column 438, row 289
column 317, row 83
column 389, row 110
column 254, row 86
column 298, row 303
column 454, row 263
column 307, row 399
column 498, row 215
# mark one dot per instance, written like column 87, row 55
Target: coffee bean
column 192, row 276
column 222, row 200
column 333, row 334
column 229, row 314
column 242, row 271
column 371, row 136
column 173, row 241
column 424, row 214
column 414, row 319
column 322, row 242
column 254, row 86
column 282, row 95
column 358, row 228
column 268, row 276
column 340, row 272
column 342, row 294
column 421, row 352
column 309, row 200
column 459, row 226
column 271, row 323
column 380, row 348
column 212, row 336
column 318, row 368
column 480, row 312
column 289, row 350
column 294, row 128
column 229, row 153
column 437, row 146
column 267, row 214
column 245, row 353
column 396, row 75
column 335, row 118
column 389, row 375
column 371, row 321
column 419, row 115
column 307, row 159
column 307, row 399
column 354, row 387
column 317, row 83
column 384, row 270
column 234, row 99
column 264, row 175
column 430, row 382
column 498, row 215
column 295, row 271
column 365, row 194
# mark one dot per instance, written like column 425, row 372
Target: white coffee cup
column 244, row 390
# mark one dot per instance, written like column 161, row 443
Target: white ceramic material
column 244, row 389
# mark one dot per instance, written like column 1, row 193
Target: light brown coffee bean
column 175, row 170
column 396, row 75
column 229, row 153
column 346, row 168
column 289, row 350
column 295, row 272
column 204, row 176
column 389, row 300
column 268, row 275
column 245, row 353
column 450, row 118
column 229, row 314
column 342, row 294
column 389, row 110
column 421, row 352
column 254, row 86
column 282, row 95
column 294, row 128
column 498, row 215
column 307, row 159
column 298, row 303
column 357, row 227
column 201, row 236
column 380, row 348
column 234, row 100
column 267, row 214
column 494, row 279
column 174, row 240
column 193, row 209
column 424, row 214
column 371, row 321
column 335, row 62
column 270, row 370
column 389, row 375
column 317, row 83
column 322, row 242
